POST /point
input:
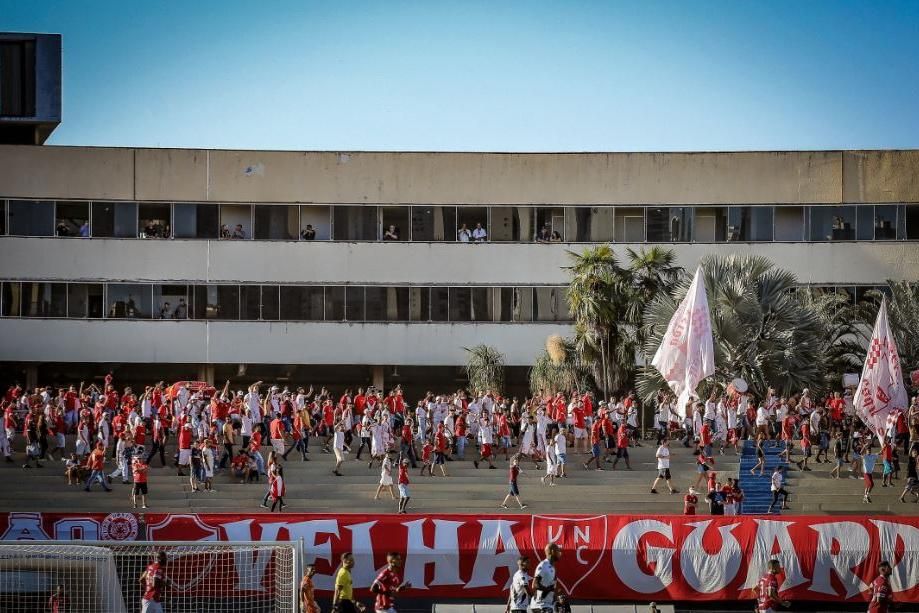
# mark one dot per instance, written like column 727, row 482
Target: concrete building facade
column 354, row 264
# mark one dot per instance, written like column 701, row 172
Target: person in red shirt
column 887, row 462
column 690, row 500
column 513, row 474
column 57, row 603
column 503, row 432
column 404, row 494
column 184, row 439
column 139, row 476
column 153, row 581
column 441, row 448
column 805, row 445
column 95, row 463
column 359, row 401
column 580, row 428
column 427, row 464
column 459, row 435
column 788, row 432
column 881, row 592
column 406, row 446
column 596, row 437
column 622, row 447
column 387, row 584
column 767, row 590
column 277, row 490
column 836, row 405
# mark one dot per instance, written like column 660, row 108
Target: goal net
column 105, row 576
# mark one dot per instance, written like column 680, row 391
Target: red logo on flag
column 582, row 540
column 883, row 397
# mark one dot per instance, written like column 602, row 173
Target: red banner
column 604, row 557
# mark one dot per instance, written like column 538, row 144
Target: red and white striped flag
column 881, row 388
column 687, row 355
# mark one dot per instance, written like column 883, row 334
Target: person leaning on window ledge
column 391, row 234
column 308, row 233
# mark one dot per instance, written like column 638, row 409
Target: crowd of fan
column 217, row 430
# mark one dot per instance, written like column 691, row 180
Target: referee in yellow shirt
column 343, row 599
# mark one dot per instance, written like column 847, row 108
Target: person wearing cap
column 767, row 590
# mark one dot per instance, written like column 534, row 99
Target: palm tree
column 485, row 368
column 763, row 333
column 593, row 296
column 558, row 368
column 844, row 339
column 608, row 300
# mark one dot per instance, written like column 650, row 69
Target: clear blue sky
column 490, row 76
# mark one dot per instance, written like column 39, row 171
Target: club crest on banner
column 184, row 571
column 578, row 538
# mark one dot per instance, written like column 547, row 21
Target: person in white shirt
column 778, row 489
column 561, row 451
column 544, row 585
column 486, row 440
column 478, row 234
column 663, row 467
column 762, row 421
column 338, row 445
column 521, row 589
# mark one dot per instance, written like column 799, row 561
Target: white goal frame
column 110, row 571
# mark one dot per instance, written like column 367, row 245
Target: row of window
column 283, row 302
column 629, row 224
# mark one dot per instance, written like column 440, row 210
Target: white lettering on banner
column 625, row 556
column 315, row 550
column 444, row 555
column 554, row 538
column 364, row 571
column 487, row 560
column 905, row 571
column 769, row 534
column 853, row 543
column 581, row 535
column 24, row 527
column 80, row 529
column 708, row 573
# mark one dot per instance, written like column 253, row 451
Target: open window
column 114, row 219
column 154, row 220
column 195, row 220
column 276, row 222
column 71, row 219
column 315, row 223
column 236, row 221
column 31, row 218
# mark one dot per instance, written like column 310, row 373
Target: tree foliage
column 485, row 368
column 764, row 331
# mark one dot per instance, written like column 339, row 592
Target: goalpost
column 200, row 577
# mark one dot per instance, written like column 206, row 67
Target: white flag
column 687, row 355
column 881, row 390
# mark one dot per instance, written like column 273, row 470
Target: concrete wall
column 460, row 178
column 199, row 342
column 200, row 261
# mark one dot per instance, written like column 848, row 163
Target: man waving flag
column 686, row 355
column 881, row 390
